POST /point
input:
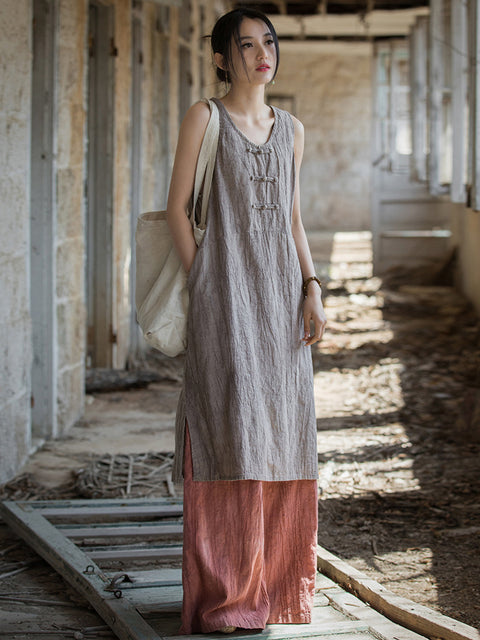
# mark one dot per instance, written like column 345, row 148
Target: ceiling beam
column 322, row 7
column 374, row 24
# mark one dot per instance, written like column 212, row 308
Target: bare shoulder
column 298, row 128
column 196, row 119
column 299, row 140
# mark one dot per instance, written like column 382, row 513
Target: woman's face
column 259, row 55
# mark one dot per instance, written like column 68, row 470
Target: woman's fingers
column 306, row 326
column 316, row 336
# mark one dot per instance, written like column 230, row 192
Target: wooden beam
column 326, row 47
column 114, row 530
column 79, row 509
column 412, row 616
column 330, row 631
column 166, row 3
column 378, row 23
column 125, row 552
column 77, row 569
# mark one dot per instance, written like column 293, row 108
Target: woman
column 246, row 429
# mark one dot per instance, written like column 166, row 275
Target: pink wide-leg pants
column 249, row 552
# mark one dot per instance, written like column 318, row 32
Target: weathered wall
column 466, row 237
column 15, row 324
column 331, row 83
column 70, row 240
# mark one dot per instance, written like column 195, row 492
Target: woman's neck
column 246, row 99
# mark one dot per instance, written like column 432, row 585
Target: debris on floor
column 397, row 387
column 127, row 476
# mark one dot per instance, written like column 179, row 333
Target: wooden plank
column 379, row 625
column 114, row 503
column 168, row 599
column 351, row 630
column 127, row 552
column 156, row 593
column 161, row 574
column 410, row 615
column 77, row 569
column 114, row 530
column 122, row 511
column 150, row 601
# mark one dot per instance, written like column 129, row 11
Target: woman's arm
column 312, row 308
column 183, row 177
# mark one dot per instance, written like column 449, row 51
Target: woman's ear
column 219, row 61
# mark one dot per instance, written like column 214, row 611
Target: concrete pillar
column 70, row 240
column 15, row 324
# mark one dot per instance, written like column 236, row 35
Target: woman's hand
column 313, row 313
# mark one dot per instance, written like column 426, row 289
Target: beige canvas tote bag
column 161, row 295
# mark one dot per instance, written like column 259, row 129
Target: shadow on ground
column 399, row 472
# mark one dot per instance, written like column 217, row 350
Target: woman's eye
column 269, row 42
column 247, row 44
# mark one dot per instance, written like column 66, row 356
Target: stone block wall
column 331, row 84
column 15, row 321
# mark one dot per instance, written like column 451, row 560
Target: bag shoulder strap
column 206, row 162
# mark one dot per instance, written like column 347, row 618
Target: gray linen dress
column 248, row 390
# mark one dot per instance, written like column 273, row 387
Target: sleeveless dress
column 248, row 387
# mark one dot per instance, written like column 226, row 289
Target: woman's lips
column 263, row 67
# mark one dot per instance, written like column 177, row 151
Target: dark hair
column 227, row 30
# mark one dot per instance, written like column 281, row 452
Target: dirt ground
column 397, row 390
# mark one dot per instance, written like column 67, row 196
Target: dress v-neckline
column 240, row 132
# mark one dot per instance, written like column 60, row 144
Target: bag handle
column 206, row 163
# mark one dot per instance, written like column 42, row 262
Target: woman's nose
column 262, row 52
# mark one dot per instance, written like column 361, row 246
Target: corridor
column 399, row 441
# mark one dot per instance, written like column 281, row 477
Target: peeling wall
column 331, row 84
column 15, row 322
